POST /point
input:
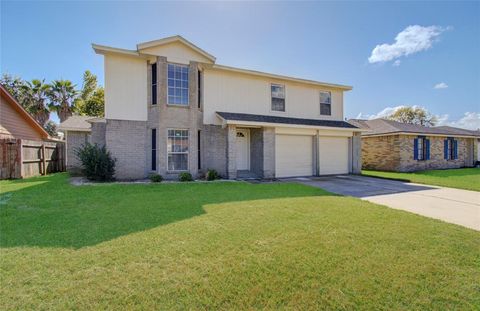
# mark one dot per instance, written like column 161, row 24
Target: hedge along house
column 394, row 146
column 169, row 108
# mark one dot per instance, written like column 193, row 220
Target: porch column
column 269, row 152
column 231, row 151
column 356, row 153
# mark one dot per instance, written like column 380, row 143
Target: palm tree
column 35, row 95
column 62, row 95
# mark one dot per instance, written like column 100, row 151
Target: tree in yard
column 91, row 100
column 35, row 95
column 413, row 115
column 14, row 86
column 62, row 95
column 51, row 128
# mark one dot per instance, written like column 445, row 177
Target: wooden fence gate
column 20, row 158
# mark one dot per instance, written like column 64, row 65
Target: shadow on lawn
column 52, row 213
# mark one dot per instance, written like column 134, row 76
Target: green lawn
column 224, row 245
column 463, row 178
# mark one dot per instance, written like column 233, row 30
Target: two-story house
column 170, row 108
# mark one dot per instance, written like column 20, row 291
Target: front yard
column 224, row 245
column 464, row 178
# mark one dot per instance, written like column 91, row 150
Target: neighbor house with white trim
column 169, row 108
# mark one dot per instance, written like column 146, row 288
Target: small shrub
column 212, row 175
column 155, row 177
column 185, row 176
column 97, row 162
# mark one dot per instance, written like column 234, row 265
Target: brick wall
column 395, row 153
column 381, row 153
column 98, row 133
column 126, row 141
column 214, row 149
column 437, row 161
column 75, row 140
column 256, row 151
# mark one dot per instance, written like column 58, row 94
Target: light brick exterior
column 75, row 140
column 126, row 141
column 268, row 152
column 395, row 153
column 98, row 133
column 356, row 153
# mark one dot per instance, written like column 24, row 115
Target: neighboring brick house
column 169, row 108
column 394, row 146
column 78, row 131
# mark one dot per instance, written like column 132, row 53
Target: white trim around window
column 280, row 95
column 179, row 84
column 325, row 101
column 182, row 134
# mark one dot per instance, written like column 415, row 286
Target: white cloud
column 382, row 114
column 469, row 121
column 397, row 63
column 441, row 85
column 411, row 40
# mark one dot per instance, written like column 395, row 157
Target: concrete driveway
column 461, row 207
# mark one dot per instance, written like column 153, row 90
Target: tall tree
column 90, row 101
column 35, row 95
column 413, row 115
column 62, row 95
column 14, row 85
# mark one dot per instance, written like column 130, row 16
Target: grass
column 224, row 245
column 463, row 178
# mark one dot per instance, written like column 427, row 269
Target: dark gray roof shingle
column 283, row 120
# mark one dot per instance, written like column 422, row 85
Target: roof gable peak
column 175, row 39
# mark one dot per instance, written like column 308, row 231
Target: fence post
column 44, row 160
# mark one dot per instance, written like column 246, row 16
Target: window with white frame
column 325, row 103
column 177, row 84
column 177, row 149
column 278, row 97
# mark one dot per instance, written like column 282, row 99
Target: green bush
column 97, row 162
column 185, row 176
column 212, row 175
column 155, row 177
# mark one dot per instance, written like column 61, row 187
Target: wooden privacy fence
column 20, row 158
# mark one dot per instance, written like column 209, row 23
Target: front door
column 243, row 150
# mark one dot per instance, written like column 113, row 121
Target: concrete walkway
column 461, row 207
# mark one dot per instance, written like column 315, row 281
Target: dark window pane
column 177, row 162
column 154, row 160
column 278, row 104
column 325, row 109
column 154, row 138
column 154, row 73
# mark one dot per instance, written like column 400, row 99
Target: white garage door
column 333, row 153
column 293, row 155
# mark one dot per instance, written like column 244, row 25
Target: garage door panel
column 293, row 155
column 333, row 155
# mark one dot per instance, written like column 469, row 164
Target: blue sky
column 326, row 41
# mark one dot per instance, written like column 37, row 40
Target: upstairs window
column 177, row 85
column 278, row 97
column 199, row 89
column 325, row 103
column 154, row 84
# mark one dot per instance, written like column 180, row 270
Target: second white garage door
column 293, row 155
column 333, row 154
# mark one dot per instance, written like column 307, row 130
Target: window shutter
column 415, row 149
column 445, row 149
column 427, row 149
column 455, row 154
